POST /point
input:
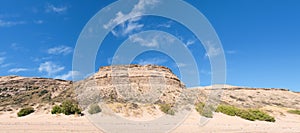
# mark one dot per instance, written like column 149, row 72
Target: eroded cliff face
column 246, row 97
column 149, row 84
column 16, row 91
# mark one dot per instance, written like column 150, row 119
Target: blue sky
column 260, row 39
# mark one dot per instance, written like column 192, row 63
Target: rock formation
column 149, row 84
column 16, row 91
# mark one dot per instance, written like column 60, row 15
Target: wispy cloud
column 190, row 42
column 166, row 25
column 144, row 42
column 151, row 40
column 181, row 64
column 231, row 52
column 16, row 70
column 127, row 28
column 60, row 50
column 5, row 65
column 38, row 21
column 4, row 23
column 110, row 59
column 50, row 68
column 156, row 61
column 137, row 11
column 212, row 50
column 16, row 46
column 2, row 60
column 56, row 9
column 67, row 76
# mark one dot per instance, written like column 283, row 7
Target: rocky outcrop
column 136, row 83
column 16, row 91
column 13, row 85
column 251, row 97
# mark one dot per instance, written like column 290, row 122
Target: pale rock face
column 136, row 83
column 16, row 92
column 13, row 85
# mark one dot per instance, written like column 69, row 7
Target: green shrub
column 248, row 114
column 25, row 111
column 260, row 115
column 67, row 108
column 206, row 113
column 94, row 108
column 41, row 93
column 56, row 110
column 228, row 110
column 294, row 112
column 166, row 108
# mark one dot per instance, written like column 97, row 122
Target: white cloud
column 135, row 13
column 2, row 60
column 110, row 59
column 60, row 50
column 152, row 40
column 56, row 9
column 50, row 68
column 16, row 70
column 144, row 42
column 38, row 21
column 131, row 26
column 231, row 52
column 166, row 25
column 67, row 76
column 157, row 61
column 181, row 64
column 5, row 65
column 190, row 42
column 16, row 46
column 212, row 50
column 10, row 23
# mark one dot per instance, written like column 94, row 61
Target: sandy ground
column 9, row 122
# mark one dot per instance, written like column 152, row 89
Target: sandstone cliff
column 135, row 83
column 16, row 91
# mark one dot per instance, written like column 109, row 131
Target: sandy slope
column 220, row 123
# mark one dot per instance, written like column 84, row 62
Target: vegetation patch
column 248, row 114
column 206, row 112
column 56, row 110
column 25, row 111
column 294, row 112
column 43, row 92
column 94, row 108
column 67, row 107
column 167, row 109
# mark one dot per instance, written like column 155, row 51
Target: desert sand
column 287, row 123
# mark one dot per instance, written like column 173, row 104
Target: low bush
column 206, row 113
column 67, row 108
column 248, row 114
column 167, row 109
column 255, row 114
column 41, row 93
column 56, row 110
column 25, row 111
column 294, row 112
column 94, row 108
column 228, row 110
